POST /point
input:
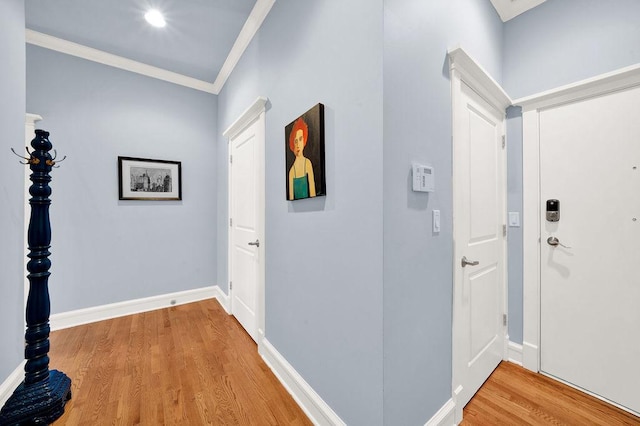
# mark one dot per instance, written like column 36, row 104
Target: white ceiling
column 199, row 47
column 508, row 9
column 197, row 41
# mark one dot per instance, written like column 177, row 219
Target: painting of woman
column 301, row 180
column 305, row 155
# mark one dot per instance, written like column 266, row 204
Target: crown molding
column 101, row 57
column 471, row 71
column 621, row 79
column 31, row 119
column 258, row 107
column 509, row 9
column 251, row 26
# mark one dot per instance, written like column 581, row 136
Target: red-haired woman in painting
column 301, row 180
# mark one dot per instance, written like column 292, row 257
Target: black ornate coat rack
column 41, row 397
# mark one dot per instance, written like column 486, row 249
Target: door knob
column 255, row 243
column 466, row 262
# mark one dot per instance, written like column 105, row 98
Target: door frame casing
column 255, row 112
column 464, row 70
column 603, row 84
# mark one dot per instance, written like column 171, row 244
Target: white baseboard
column 314, row 407
column 514, row 353
column 457, row 406
column 530, row 357
column 129, row 307
column 444, row 416
column 223, row 299
column 11, row 383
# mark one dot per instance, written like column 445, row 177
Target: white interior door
column 246, row 213
column 590, row 290
column 479, row 216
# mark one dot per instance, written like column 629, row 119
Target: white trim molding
column 509, row 9
column 603, row 84
column 457, row 406
column 248, row 31
column 11, row 383
column 250, row 114
column 444, row 416
column 514, row 353
column 530, row 358
column 596, row 86
column 318, row 411
column 101, row 57
column 130, row 307
column 481, row 81
column 222, row 298
column 31, row 119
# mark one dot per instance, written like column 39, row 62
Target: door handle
column 466, row 262
column 553, row 241
column 255, row 243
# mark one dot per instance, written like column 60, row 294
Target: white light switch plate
column 436, row 221
column 514, row 219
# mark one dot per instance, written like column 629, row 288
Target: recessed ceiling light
column 155, row 18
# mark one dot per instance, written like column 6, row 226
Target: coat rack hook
column 20, row 156
column 52, row 163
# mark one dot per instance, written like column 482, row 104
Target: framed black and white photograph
column 147, row 179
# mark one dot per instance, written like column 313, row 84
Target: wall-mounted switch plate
column 514, row 219
column 436, row 221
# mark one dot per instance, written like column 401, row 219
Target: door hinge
column 230, row 221
column 230, row 285
column 231, row 159
column 504, row 319
column 504, row 230
column 503, row 141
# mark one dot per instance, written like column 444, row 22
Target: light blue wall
column 323, row 255
column 418, row 278
column 12, row 118
column 514, row 239
column 105, row 250
column 564, row 41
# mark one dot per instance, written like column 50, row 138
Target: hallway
column 188, row 364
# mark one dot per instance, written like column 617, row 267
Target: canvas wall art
column 304, row 147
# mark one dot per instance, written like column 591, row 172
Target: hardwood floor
column 515, row 396
column 189, row 365
column 195, row 365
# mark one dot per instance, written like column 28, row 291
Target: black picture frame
column 149, row 179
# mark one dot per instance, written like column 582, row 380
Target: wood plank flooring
column 195, row 365
column 515, row 396
column 186, row 365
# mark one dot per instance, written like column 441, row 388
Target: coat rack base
column 39, row 403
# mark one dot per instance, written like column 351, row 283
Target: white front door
column 246, row 201
column 479, row 216
column 589, row 280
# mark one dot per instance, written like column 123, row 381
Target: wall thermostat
column 423, row 178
